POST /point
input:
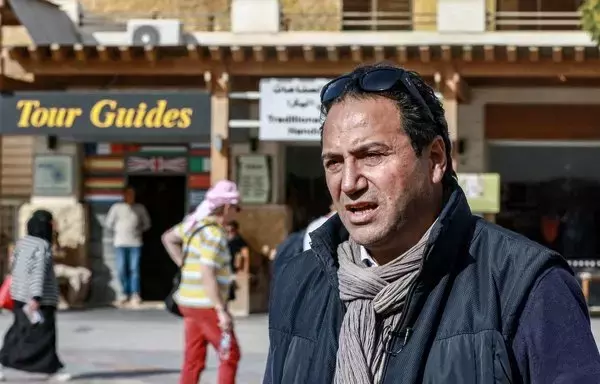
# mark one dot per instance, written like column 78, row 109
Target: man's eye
column 372, row 158
column 332, row 164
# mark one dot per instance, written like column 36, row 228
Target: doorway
column 306, row 189
column 164, row 198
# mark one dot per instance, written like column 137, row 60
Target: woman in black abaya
column 30, row 344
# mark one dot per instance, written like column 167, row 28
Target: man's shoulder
column 207, row 230
column 300, row 272
column 301, row 290
column 496, row 243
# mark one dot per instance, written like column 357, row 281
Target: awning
column 45, row 22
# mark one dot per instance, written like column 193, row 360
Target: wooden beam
column 308, row 53
column 259, row 53
column 237, row 54
column 379, row 53
column 103, row 54
column 151, row 53
column 80, row 52
column 333, row 54
column 57, row 52
column 489, row 53
column 446, row 53
column 579, row 54
column 401, row 54
column 282, row 53
column 467, row 53
column 125, row 53
column 216, row 53
column 425, row 54
column 546, row 67
column 357, row 53
column 194, row 52
column 534, row 54
column 511, row 53
column 458, row 88
column 34, row 53
column 557, row 54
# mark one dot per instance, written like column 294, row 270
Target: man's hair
column 234, row 224
column 415, row 120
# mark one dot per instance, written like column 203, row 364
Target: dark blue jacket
column 473, row 316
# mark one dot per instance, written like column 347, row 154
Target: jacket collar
column 448, row 235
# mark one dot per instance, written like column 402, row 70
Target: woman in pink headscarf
column 205, row 278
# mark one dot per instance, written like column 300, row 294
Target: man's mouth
column 361, row 207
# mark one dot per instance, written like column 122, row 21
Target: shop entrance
column 306, row 190
column 164, row 198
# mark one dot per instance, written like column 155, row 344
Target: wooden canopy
column 468, row 61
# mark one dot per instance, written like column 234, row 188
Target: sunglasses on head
column 374, row 80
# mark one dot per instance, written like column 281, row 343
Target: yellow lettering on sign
column 34, row 115
column 107, row 113
column 185, row 118
column 101, row 119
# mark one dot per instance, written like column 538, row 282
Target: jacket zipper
column 406, row 331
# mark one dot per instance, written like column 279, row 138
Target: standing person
column 128, row 220
column 237, row 245
column 314, row 225
column 405, row 285
column 28, row 346
column 205, row 278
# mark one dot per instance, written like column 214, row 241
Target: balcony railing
column 545, row 21
column 357, row 21
column 214, row 22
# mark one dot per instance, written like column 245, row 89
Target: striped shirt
column 207, row 247
column 33, row 272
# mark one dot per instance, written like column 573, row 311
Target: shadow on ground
column 129, row 374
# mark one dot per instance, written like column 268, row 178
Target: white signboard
column 254, row 179
column 53, row 175
column 472, row 185
column 290, row 109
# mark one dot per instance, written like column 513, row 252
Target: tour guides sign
column 96, row 113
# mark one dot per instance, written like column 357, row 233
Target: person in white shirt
column 128, row 220
column 314, row 225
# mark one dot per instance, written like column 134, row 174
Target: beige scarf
column 368, row 292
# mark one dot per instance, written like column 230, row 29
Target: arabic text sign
column 290, row 109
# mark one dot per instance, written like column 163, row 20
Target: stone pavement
column 140, row 347
column 144, row 347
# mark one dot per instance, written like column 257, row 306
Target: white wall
column 471, row 118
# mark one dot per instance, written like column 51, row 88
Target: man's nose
column 352, row 179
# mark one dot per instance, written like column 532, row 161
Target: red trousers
column 201, row 328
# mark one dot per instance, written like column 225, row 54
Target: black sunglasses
column 374, row 80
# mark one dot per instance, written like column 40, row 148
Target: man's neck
column 384, row 255
column 406, row 238
column 219, row 219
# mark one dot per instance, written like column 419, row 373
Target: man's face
column 231, row 231
column 230, row 212
column 378, row 184
column 129, row 196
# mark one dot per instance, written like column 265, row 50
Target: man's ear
column 437, row 160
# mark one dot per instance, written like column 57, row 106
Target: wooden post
column 219, row 132
column 451, row 110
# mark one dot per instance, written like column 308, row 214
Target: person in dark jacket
column 404, row 284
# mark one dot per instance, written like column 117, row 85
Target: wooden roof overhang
column 194, row 60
